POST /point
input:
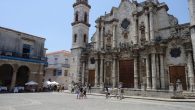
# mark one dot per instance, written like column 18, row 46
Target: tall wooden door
column 126, row 73
column 91, row 77
column 178, row 72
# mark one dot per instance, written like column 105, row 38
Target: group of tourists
column 81, row 90
column 117, row 92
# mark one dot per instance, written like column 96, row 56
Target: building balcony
column 10, row 55
column 66, row 65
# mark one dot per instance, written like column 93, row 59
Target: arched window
column 142, row 29
column 77, row 16
column 85, row 38
column 126, row 36
column 85, row 18
column 75, row 38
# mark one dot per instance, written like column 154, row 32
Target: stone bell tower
column 80, row 35
column 192, row 21
column 192, row 27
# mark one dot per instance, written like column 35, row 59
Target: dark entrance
column 126, row 70
column 26, row 51
column 6, row 72
column 22, row 76
column 91, row 77
column 178, row 73
column 108, row 74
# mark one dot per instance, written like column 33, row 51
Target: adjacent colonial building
column 58, row 67
column 22, row 58
column 136, row 44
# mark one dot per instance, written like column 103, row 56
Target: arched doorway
column 22, row 76
column 126, row 73
column 6, row 72
column 178, row 73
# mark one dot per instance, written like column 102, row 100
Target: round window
column 125, row 23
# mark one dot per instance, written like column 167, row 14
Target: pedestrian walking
column 85, row 92
column 107, row 92
column 72, row 89
column 81, row 93
column 77, row 92
column 122, row 93
column 89, row 88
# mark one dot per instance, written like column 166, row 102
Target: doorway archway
column 6, row 72
column 178, row 73
column 22, row 76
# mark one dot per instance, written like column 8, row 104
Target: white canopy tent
column 46, row 84
column 54, row 83
column 30, row 83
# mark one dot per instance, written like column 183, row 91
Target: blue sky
column 52, row 19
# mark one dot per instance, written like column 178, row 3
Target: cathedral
column 136, row 45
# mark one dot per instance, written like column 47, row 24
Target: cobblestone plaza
column 64, row 101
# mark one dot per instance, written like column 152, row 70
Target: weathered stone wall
column 13, row 41
column 35, row 70
column 79, row 30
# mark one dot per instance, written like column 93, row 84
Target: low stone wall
column 189, row 94
column 149, row 93
column 132, row 92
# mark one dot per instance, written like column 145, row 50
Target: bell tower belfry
column 80, row 36
column 192, row 22
column 192, row 28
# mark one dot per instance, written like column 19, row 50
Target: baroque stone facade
column 22, row 58
column 138, row 45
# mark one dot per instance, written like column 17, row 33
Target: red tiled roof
column 58, row 52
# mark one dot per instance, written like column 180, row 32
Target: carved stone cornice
column 83, row 3
column 163, row 5
column 82, row 22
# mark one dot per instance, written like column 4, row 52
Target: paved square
column 64, row 101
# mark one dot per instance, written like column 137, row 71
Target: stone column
column 118, row 74
column 83, row 74
column 157, row 71
column 13, row 83
column 105, row 72
column 102, row 37
column 96, row 72
column 87, row 77
column 135, row 29
column 135, row 73
column 114, row 35
column 101, row 71
column 147, row 33
column 190, row 71
column 40, row 75
column 153, row 72
column 151, row 24
column 97, row 37
column 114, row 73
column 148, row 73
column 162, row 71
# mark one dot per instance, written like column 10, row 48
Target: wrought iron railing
column 12, row 55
